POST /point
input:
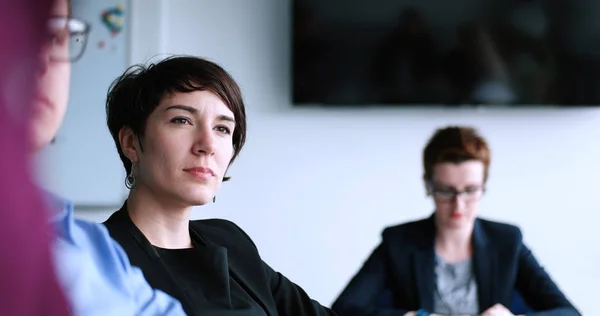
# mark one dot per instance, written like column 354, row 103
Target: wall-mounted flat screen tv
column 441, row 52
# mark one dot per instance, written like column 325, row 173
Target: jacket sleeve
column 537, row 288
column 289, row 298
column 368, row 293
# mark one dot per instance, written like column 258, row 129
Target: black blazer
column 399, row 275
column 274, row 292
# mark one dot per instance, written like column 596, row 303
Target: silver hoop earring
column 130, row 179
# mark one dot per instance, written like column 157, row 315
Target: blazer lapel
column 485, row 261
column 421, row 258
column 237, row 272
column 424, row 260
column 143, row 255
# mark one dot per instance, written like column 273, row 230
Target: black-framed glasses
column 68, row 38
column 469, row 194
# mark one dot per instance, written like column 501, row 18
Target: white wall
column 315, row 187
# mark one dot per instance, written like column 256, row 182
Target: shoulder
column 499, row 231
column 95, row 238
column 91, row 230
column 87, row 248
column 83, row 239
column 79, row 232
column 408, row 229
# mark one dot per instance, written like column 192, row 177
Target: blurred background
column 341, row 100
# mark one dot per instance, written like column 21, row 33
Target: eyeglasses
column 447, row 195
column 67, row 38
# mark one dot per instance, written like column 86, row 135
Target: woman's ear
column 128, row 141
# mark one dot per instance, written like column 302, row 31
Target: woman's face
column 187, row 146
column 456, row 190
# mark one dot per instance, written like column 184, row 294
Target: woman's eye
column 180, row 120
column 224, row 129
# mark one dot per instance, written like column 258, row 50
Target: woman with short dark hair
column 178, row 125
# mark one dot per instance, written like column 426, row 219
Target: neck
column 162, row 223
column 454, row 244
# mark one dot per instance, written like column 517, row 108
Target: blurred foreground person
column 28, row 285
column 92, row 268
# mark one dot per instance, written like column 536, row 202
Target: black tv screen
column 441, row 52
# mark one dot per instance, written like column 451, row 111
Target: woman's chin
column 452, row 222
column 196, row 196
column 200, row 200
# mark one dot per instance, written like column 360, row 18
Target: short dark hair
column 134, row 95
column 455, row 144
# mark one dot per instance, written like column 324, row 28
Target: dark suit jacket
column 275, row 293
column 399, row 275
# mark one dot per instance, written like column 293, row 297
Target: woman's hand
column 497, row 310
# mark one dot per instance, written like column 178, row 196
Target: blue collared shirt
column 97, row 276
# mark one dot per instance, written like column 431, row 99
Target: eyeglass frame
column 454, row 194
column 85, row 33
